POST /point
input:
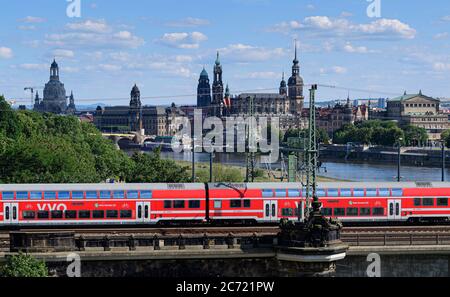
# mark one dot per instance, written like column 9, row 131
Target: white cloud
column 310, row 7
column 260, row 75
column 189, row 22
column 94, row 34
column 32, row 19
column 183, row 59
column 439, row 66
column 246, row 53
column 439, row 36
column 349, row 48
column 326, row 26
column 27, row 27
column 62, row 53
column 6, row 53
column 446, row 18
column 99, row 26
column 120, row 56
column 109, row 67
column 346, row 14
column 334, row 69
column 30, row 66
column 183, row 40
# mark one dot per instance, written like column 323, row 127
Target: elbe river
column 341, row 171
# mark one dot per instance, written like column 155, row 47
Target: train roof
column 328, row 185
column 99, row 187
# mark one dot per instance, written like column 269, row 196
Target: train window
column 43, row 215
column 112, row 214
column 280, row 193
column 247, row 203
column 217, row 204
column 146, row 194
column 7, row 212
column 333, row 193
column 274, row 210
column 397, row 192
column 267, row 210
column 346, row 193
column 378, row 211
column 339, row 212
column 358, row 192
column 428, row 202
column 293, row 193
column 267, row 193
column 178, row 204
column 235, row 203
column 119, row 194
column 364, row 211
column 352, row 212
column 126, row 214
column 29, row 215
column 105, row 195
column 321, row 193
column 64, row 195
column 70, row 214
column 91, row 195
column 168, row 204
column 133, row 194
column 77, row 195
column 98, row 214
column 371, row 192
column 22, row 195
column 384, row 192
column 328, row 212
column 442, row 202
column 57, row 214
column 8, row 195
column 417, row 202
column 36, row 195
column 287, row 212
column 194, row 203
column 84, row 214
column 50, row 195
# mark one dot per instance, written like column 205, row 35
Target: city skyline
column 111, row 47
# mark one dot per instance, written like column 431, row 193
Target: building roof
column 406, row 97
column 262, row 96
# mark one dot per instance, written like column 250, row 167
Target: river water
column 337, row 170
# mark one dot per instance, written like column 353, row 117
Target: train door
column 143, row 212
column 394, row 209
column 271, row 211
column 11, row 213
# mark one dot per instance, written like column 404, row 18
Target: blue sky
column 163, row 45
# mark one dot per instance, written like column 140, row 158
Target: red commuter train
column 151, row 204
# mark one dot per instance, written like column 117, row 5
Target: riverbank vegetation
column 387, row 133
column 47, row 148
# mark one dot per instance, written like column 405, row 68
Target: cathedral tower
column 135, row 110
column 217, row 88
column 283, row 86
column 203, row 90
column 55, row 99
column 295, row 87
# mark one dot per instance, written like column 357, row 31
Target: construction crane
column 32, row 89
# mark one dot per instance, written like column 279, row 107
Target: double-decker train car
column 149, row 204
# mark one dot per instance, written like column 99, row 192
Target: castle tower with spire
column 283, row 87
column 217, row 88
column 71, row 109
column 135, row 115
column 295, row 87
column 203, row 90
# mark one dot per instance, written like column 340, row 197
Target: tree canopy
column 47, row 148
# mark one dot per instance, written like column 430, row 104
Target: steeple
column 218, row 59
column 283, row 86
column 420, row 93
column 54, row 71
column 227, row 92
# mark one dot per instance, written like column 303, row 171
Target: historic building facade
column 55, row 99
column 417, row 110
column 287, row 104
column 152, row 120
column 334, row 118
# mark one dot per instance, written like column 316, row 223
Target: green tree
column 22, row 265
column 445, row 136
column 415, row 135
